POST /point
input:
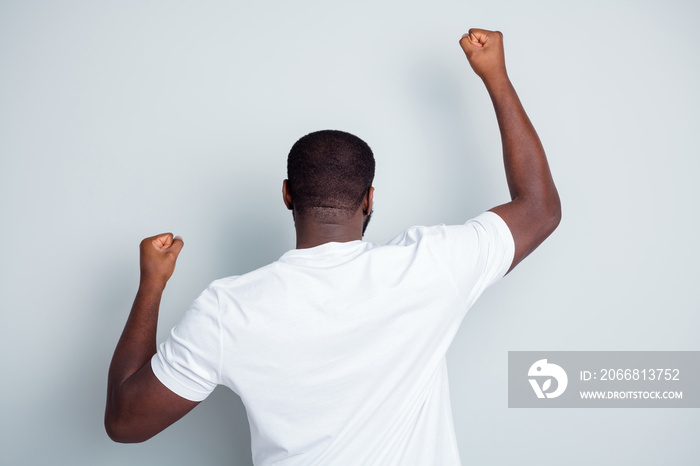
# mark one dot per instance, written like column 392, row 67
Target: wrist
column 496, row 80
column 151, row 284
column 499, row 87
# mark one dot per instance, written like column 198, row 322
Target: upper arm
column 142, row 406
column 529, row 223
column 475, row 254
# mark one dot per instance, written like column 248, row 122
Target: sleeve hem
column 174, row 385
column 509, row 242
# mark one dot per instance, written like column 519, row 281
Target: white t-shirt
column 338, row 351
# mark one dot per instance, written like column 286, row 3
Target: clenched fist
column 484, row 50
column 158, row 256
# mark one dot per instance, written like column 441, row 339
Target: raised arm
column 138, row 404
column 534, row 211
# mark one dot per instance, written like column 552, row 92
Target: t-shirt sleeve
column 476, row 254
column 189, row 361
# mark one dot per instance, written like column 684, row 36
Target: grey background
column 119, row 120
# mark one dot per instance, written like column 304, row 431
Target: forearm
column 527, row 171
column 138, row 340
column 135, row 347
column 138, row 404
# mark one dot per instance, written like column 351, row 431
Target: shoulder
column 416, row 234
column 254, row 283
column 491, row 224
column 234, row 281
column 481, row 247
column 480, row 228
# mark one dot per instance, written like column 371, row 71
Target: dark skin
column 311, row 233
column 534, row 210
column 139, row 406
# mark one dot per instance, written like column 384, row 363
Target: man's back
column 338, row 351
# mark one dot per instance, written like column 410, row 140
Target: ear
column 369, row 200
column 287, row 196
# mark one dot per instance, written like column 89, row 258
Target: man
column 338, row 348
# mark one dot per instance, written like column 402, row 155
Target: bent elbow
column 548, row 215
column 121, row 437
column 551, row 210
column 113, row 431
column 555, row 213
column 118, row 431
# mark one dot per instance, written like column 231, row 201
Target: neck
column 311, row 233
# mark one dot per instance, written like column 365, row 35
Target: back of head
column 329, row 172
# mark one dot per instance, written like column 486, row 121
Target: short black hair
column 328, row 174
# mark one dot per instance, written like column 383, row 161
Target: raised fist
column 484, row 50
column 158, row 256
